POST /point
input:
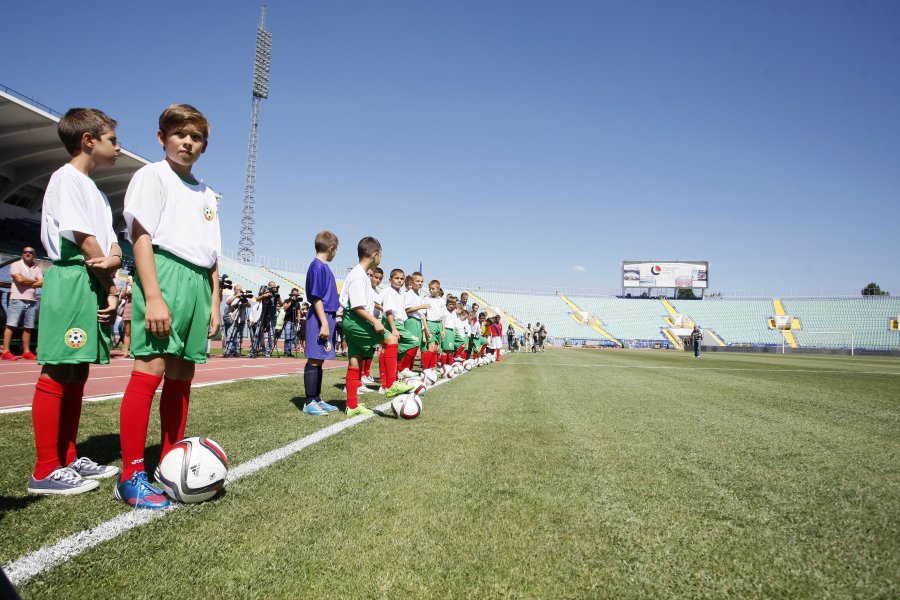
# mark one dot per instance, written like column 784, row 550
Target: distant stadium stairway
column 788, row 335
column 593, row 325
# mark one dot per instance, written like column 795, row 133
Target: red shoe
column 8, row 356
column 29, row 355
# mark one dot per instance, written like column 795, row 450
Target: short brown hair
column 177, row 115
column 78, row 121
column 395, row 271
column 325, row 240
column 367, row 247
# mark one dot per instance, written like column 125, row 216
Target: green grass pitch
column 573, row 473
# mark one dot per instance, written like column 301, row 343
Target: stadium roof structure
column 30, row 151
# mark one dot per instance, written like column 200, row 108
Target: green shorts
column 449, row 344
column 187, row 291
column 413, row 328
column 407, row 339
column 361, row 336
column 68, row 330
column 435, row 328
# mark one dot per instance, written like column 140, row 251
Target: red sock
column 429, row 360
column 389, row 371
column 366, row 367
column 69, row 418
column 498, row 354
column 173, row 411
column 461, row 351
column 381, row 370
column 352, row 384
column 409, row 359
column 45, row 414
column 134, row 420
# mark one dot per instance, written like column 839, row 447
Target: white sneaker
column 381, row 391
column 405, row 373
column 363, row 390
column 367, row 379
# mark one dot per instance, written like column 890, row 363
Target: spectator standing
column 697, row 339
column 22, row 309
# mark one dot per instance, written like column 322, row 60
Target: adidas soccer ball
column 193, row 470
column 407, row 406
column 430, row 376
column 420, row 387
column 469, row 364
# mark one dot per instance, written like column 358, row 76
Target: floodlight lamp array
column 262, row 63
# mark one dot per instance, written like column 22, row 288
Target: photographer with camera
column 237, row 311
column 291, row 313
column 268, row 299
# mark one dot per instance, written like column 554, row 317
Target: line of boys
column 172, row 224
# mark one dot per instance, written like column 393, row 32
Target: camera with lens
column 273, row 289
column 224, row 282
column 246, row 295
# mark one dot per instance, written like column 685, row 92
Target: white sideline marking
column 22, row 569
column 686, row 368
column 17, row 409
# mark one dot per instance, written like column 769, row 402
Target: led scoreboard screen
column 646, row 274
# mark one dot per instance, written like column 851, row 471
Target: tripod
column 265, row 327
column 236, row 333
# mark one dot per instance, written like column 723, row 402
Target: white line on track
column 18, row 409
column 22, row 569
column 31, row 383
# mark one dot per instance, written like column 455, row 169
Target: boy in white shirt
column 394, row 319
column 78, row 304
column 363, row 331
column 448, row 346
column 376, row 275
column 173, row 226
column 415, row 321
column 434, row 320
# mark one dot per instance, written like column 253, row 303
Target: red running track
column 17, row 378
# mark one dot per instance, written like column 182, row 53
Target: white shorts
column 496, row 343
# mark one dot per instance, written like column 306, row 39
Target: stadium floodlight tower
column 260, row 91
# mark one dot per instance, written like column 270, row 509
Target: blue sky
column 520, row 141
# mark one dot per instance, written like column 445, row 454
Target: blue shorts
column 316, row 348
column 21, row 313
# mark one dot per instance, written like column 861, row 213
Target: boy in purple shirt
column 321, row 290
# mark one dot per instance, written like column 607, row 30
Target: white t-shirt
column 357, row 291
column 466, row 328
column 461, row 327
column 437, row 309
column 450, row 319
column 73, row 203
column 379, row 299
column 393, row 303
column 410, row 299
column 181, row 218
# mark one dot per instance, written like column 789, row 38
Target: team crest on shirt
column 75, row 338
column 209, row 212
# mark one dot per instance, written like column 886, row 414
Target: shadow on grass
column 8, row 504
column 102, row 449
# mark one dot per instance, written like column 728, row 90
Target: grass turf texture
column 567, row 474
